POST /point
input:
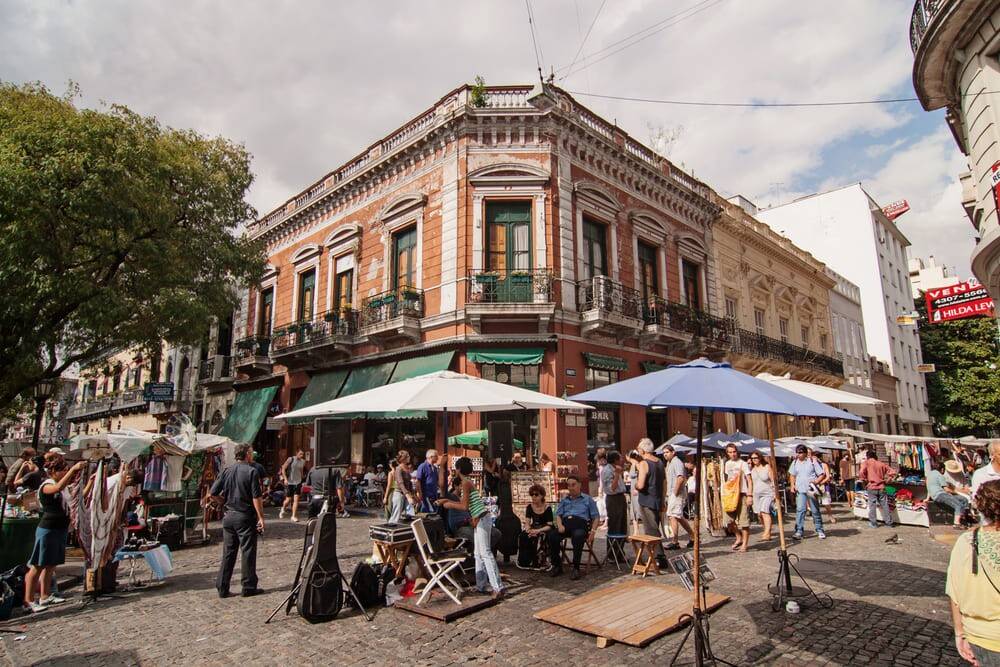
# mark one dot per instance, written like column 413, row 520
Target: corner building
column 514, row 236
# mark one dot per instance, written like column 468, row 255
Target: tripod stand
column 307, row 547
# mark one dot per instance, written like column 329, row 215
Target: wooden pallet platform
column 441, row 608
column 635, row 612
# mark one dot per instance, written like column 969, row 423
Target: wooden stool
column 394, row 554
column 644, row 545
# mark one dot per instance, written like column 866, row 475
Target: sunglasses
column 535, row 494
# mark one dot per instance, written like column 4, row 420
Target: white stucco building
column 847, row 230
column 927, row 274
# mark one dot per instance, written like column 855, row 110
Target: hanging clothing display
column 175, row 474
column 155, row 473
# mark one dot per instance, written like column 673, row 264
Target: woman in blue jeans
column 482, row 522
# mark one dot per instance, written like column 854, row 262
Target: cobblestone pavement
column 889, row 610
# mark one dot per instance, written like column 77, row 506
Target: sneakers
column 820, row 534
column 344, row 515
column 35, row 607
column 281, row 514
column 295, row 519
column 796, row 535
column 52, row 600
column 672, row 545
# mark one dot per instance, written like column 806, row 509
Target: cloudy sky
column 307, row 84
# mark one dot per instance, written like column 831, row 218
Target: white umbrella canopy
column 438, row 391
column 818, row 392
column 129, row 443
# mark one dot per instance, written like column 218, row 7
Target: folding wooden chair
column 439, row 566
column 589, row 557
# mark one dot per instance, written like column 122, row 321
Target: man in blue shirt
column 941, row 490
column 427, row 476
column 805, row 476
column 577, row 518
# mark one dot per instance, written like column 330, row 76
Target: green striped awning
column 651, row 366
column 247, row 414
column 515, row 356
column 322, row 387
column 605, row 362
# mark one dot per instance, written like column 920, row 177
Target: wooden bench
column 645, row 545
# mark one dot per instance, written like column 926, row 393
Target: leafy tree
column 964, row 391
column 114, row 232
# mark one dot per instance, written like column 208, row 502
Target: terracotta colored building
column 512, row 235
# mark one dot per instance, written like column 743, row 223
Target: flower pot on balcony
column 330, row 316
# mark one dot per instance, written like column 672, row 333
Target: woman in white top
column 763, row 491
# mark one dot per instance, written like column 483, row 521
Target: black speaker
column 501, row 440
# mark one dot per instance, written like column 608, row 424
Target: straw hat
column 952, row 466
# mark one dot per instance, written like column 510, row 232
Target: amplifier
column 391, row 532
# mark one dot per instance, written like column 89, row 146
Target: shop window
column 648, row 281
column 307, row 295
column 599, row 377
column 692, row 284
column 404, row 259
column 595, row 250
column 512, row 374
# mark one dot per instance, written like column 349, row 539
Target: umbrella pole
column 774, row 484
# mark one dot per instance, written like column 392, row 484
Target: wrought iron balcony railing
column 400, row 302
column 924, row 12
column 215, row 368
column 325, row 327
column 251, row 347
column 764, row 347
column 520, row 286
column 716, row 331
column 607, row 296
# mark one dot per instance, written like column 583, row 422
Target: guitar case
column 507, row 523
column 321, row 594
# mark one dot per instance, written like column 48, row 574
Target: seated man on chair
column 576, row 518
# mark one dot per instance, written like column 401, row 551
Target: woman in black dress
column 539, row 522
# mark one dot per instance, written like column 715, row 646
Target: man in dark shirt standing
column 239, row 485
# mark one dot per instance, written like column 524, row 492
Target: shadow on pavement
column 875, row 577
column 108, row 658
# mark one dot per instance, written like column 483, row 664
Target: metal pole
column 778, row 499
column 697, row 515
column 39, row 407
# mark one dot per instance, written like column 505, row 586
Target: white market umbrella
column 441, row 390
column 818, row 392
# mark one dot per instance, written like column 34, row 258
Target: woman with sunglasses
column 763, row 491
column 539, row 521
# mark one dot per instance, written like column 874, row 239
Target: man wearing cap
column 805, row 475
column 941, row 490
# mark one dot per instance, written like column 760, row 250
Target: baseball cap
column 57, row 450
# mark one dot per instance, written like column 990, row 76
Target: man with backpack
column 805, row 476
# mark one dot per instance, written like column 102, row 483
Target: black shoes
column 672, row 546
column 224, row 594
column 556, row 571
column 575, row 575
column 252, row 592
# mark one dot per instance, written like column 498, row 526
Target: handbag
column 731, row 494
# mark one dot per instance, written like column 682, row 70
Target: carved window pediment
column 509, row 173
column 342, row 234
column 306, row 252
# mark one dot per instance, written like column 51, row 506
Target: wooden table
column 645, row 545
column 395, row 553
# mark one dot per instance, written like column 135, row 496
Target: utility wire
column 752, row 105
column 651, row 30
column 534, row 39
column 584, row 40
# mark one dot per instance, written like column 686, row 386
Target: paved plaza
column 889, row 610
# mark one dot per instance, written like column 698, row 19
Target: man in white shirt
column 988, row 472
column 676, row 492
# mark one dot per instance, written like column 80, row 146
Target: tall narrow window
column 266, row 312
column 343, row 282
column 822, row 342
column 595, row 251
column 307, row 294
column 647, row 272
column 758, row 321
column 692, row 284
column 783, row 329
column 805, row 336
column 731, row 308
column 509, row 236
column 404, row 257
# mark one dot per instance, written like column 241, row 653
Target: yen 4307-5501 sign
column 968, row 299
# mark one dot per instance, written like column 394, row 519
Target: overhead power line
column 751, row 105
column 584, row 40
column 635, row 38
column 534, row 38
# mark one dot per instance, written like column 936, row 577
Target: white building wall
column 846, row 230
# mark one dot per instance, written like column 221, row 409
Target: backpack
column 366, row 584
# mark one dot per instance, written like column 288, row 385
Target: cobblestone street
column 889, row 609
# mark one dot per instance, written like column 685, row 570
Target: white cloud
column 308, row 84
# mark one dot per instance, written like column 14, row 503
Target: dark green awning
column 516, row 356
column 247, row 414
column 414, row 366
column 605, row 362
column 364, row 378
column 322, row 387
column 651, row 366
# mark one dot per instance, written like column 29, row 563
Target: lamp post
column 42, row 391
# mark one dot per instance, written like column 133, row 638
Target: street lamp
column 42, row 391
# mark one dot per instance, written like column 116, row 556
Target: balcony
column 392, row 317
column 686, row 330
column 216, row 372
column 329, row 335
column 761, row 347
column 252, row 356
column 609, row 309
column 938, row 29
column 510, row 296
column 124, row 401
